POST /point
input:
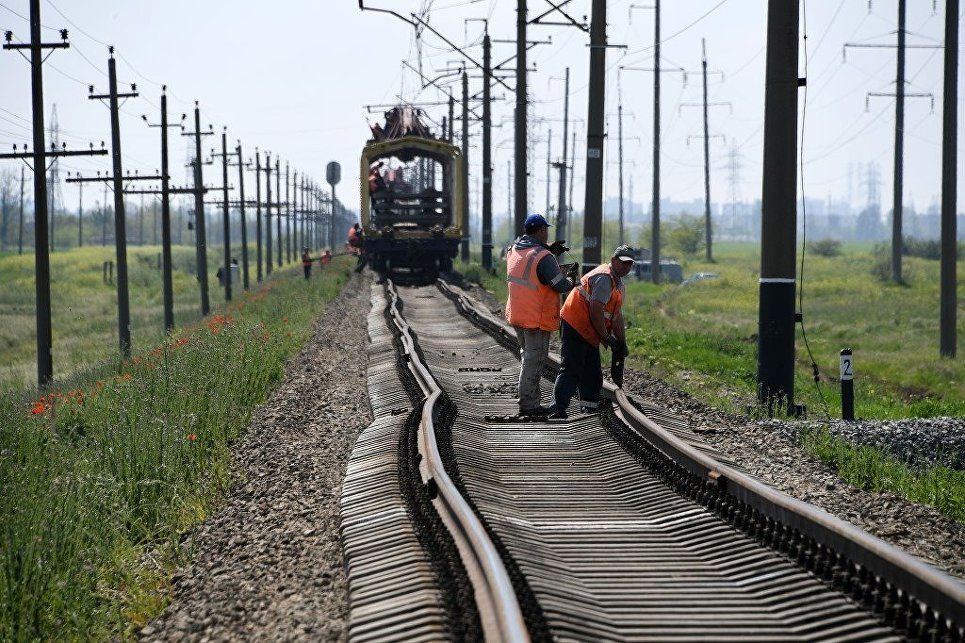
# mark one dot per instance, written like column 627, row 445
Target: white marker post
column 847, row 384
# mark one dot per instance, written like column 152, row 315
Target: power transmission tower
column 278, row 205
column 268, row 258
column 200, row 237
column 561, row 202
column 705, row 105
column 288, row 215
column 775, row 347
column 226, row 221
column 899, row 95
column 734, row 191
column 258, row 251
column 39, row 155
column 241, row 165
column 949, row 253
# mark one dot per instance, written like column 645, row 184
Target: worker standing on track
column 307, row 263
column 535, row 283
column 592, row 315
column 356, row 246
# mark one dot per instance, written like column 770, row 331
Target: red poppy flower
column 192, row 437
column 38, row 408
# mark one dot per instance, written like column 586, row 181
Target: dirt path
column 268, row 564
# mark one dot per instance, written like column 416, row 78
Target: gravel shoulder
column 769, row 451
column 268, row 564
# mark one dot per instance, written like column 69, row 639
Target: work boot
column 557, row 414
column 536, row 411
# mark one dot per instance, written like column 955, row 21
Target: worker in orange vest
column 326, row 258
column 592, row 315
column 535, row 283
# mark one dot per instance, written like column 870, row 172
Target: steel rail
column 499, row 609
column 935, row 589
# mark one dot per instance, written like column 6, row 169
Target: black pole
column 244, row 218
column 708, row 239
column 278, row 206
column 465, row 165
column 520, row 142
column 167, row 283
column 775, row 346
column 949, row 256
column 898, row 207
column 593, row 204
column 80, row 215
column 487, row 157
column 331, row 238
column 288, row 214
column 200, row 225
column 45, row 367
column 226, row 224
column 120, row 222
column 258, row 252
column 268, row 259
column 655, row 207
column 561, row 201
column 619, row 161
column 847, row 384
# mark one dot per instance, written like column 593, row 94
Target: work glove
column 620, row 349
column 558, row 247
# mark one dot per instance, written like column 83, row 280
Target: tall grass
column 98, row 481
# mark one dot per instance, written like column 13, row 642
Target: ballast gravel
column 268, row 564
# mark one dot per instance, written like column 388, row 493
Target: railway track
column 462, row 522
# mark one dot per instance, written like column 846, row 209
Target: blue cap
column 535, row 221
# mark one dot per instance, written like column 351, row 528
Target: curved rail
column 499, row 609
column 937, row 590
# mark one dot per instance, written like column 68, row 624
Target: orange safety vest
column 325, row 259
column 576, row 309
column 531, row 304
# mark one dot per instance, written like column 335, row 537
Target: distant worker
column 535, row 284
column 307, row 263
column 592, row 315
column 326, row 258
column 376, row 182
column 355, row 236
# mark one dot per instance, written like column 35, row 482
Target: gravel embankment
column 770, row 452
column 268, row 564
column 916, row 442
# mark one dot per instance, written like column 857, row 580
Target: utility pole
column 549, row 169
column 898, row 185
column 227, row 218
column 39, row 156
column 520, row 142
column 268, row 260
column 80, row 215
column 593, row 207
column 258, row 211
column 655, row 223
column 244, row 217
column 293, row 209
column 487, row 160
column 561, row 218
column 464, row 247
column 104, row 218
column 775, row 345
column 452, row 114
column 278, row 206
column 620, row 158
column 20, row 234
column 120, row 221
column 200, row 227
column 949, row 256
column 288, row 215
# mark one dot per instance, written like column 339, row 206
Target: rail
column 936, row 590
column 499, row 609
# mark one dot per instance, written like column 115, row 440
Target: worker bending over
column 592, row 315
column 535, row 283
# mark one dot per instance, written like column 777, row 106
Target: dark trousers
column 580, row 371
column 308, row 270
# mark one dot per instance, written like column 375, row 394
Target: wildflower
column 38, row 408
column 192, row 437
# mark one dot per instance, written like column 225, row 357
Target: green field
column 101, row 475
column 703, row 337
column 85, row 308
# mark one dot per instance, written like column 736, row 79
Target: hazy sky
column 292, row 77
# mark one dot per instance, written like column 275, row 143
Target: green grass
column 84, row 308
column 703, row 337
column 871, row 469
column 98, row 481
